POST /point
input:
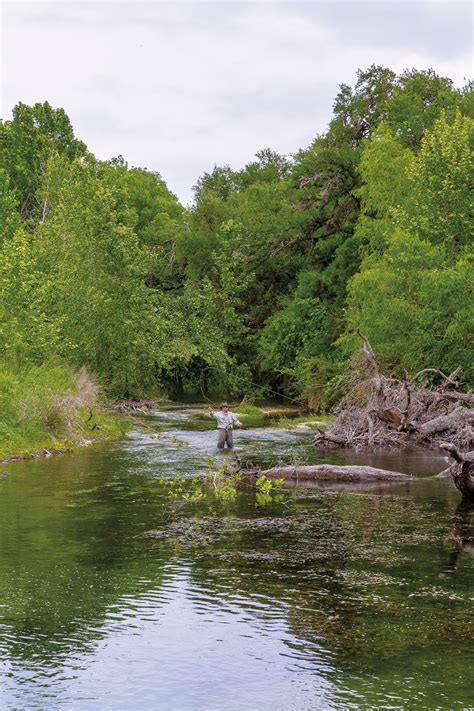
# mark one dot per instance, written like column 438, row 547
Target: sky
column 180, row 87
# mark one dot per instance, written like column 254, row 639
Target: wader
column 225, row 435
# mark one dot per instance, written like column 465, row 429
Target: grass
column 248, row 409
column 250, row 414
column 49, row 407
column 313, row 421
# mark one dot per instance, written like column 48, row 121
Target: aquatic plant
column 218, row 485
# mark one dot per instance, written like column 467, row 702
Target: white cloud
column 179, row 87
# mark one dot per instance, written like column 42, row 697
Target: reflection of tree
column 460, row 469
column 462, row 535
column 346, row 576
column 68, row 553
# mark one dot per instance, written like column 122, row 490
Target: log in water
column 333, row 472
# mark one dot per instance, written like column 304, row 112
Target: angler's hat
column 224, row 404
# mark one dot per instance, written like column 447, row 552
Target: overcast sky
column 178, row 87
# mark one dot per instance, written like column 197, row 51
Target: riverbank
column 51, row 409
column 102, row 427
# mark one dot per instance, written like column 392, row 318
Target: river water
column 311, row 599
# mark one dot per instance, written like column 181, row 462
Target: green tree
column 9, row 217
column 413, row 296
column 416, row 306
column 154, row 213
column 439, row 204
column 384, row 171
column 79, row 276
column 27, row 142
column 418, row 99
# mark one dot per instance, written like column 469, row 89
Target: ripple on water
column 331, row 600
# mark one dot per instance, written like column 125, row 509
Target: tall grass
column 45, row 406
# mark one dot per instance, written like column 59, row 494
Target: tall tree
column 27, row 142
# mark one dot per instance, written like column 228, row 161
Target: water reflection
column 332, row 600
column 462, row 535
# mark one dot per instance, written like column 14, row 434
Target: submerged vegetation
column 264, row 279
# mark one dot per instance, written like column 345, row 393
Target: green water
column 328, row 599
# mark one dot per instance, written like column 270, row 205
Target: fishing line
column 304, row 405
column 274, row 392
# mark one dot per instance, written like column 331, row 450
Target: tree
column 418, row 99
column 413, row 293
column 9, row 217
column 439, row 199
column 384, row 170
column 415, row 306
column 27, row 142
column 81, row 277
column 155, row 215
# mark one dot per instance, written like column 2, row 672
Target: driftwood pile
column 127, row 406
column 386, row 411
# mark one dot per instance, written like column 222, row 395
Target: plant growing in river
column 223, row 481
column 219, row 485
column 267, row 490
column 187, row 489
column 266, row 485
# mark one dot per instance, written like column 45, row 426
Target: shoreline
column 113, row 426
column 46, row 452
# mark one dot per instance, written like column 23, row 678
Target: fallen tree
column 384, row 410
column 459, row 470
column 331, row 472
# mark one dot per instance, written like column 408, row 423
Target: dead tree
column 460, row 470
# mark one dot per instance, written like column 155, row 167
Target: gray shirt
column 226, row 420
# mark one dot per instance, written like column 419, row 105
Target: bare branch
column 450, row 379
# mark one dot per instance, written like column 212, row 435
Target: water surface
column 320, row 600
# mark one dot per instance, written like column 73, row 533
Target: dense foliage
column 268, row 274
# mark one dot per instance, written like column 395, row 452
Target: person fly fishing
column 225, row 424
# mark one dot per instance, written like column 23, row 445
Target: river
column 311, row 599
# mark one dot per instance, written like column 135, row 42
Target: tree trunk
column 333, row 472
column 460, row 470
column 455, row 420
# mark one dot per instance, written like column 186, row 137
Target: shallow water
column 323, row 600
